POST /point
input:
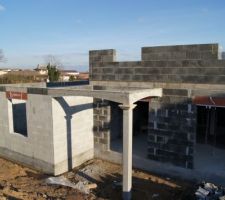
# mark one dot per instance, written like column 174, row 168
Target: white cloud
column 2, row 8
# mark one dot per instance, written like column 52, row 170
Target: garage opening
column 140, row 128
column 210, row 138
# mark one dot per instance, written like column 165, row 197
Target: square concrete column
column 127, row 149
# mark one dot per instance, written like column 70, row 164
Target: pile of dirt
column 21, row 183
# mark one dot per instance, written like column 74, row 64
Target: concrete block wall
column 197, row 64
column 96, row 56
column 73, row 138
column 59, row 132
column 100, row 56
column 172, row 118
column 171, row 133
column 39, row 120
column 35, row 150
column 181, row 52
column 102, row 118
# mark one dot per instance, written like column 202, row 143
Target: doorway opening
column 210, row 139
column 140, row 128
column 211, row 126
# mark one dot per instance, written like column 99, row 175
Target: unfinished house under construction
column 171, row 104
column 185, row 127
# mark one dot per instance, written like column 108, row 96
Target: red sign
column 16, row 95
column 209, row 101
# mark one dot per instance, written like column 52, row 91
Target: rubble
column 61, row 180
column 209, row 191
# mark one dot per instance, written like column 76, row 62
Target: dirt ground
column 18, row 182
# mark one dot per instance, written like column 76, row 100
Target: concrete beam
column 123, row 96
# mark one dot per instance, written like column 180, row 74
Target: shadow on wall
column 70, row 111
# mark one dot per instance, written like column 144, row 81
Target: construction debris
column 61, row 180
column 209, row 191
column 92, row 186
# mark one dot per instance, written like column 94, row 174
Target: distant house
column 41, row 69
column 83, row 76
column 65, row 75
column 3, row 71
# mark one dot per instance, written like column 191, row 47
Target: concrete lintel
column 122, row 96
column 15, row 89
column 115, row 96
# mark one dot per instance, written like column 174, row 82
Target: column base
column 127, row 195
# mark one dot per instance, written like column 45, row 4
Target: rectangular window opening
column 18, row 117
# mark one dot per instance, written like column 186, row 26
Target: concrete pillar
column 127, row 149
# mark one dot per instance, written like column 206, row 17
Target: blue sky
column 32, row 29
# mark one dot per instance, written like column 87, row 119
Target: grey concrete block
column 137, row 77
column 107, row 70
column 108, row 77
column 175, row 92
column 96, row 56
column 97, row 70
column 96, row 77
column 42, row 91
column 145, row 70
column 2, row 88
column 130, row 64
column 125, row 71
column 123, row 77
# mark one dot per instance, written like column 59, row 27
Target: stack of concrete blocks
column 50, row 143
column 183, row 71
column 181, row 52
column 96, row 58
column 195, row 64
column 171, row 134
column 102, row 120
column 101, row 107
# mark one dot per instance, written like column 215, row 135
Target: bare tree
column 53, row 61
column 2, row 57
column 53, row 66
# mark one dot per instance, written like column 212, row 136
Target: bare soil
column 21, row 183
